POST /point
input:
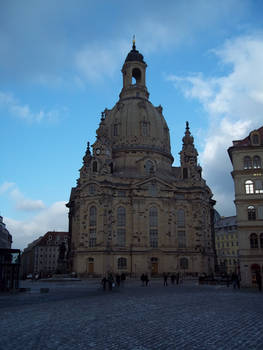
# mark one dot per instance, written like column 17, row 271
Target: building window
column 249, row 186
column 256, row 162
column 149, row 167
column 184, row 263
column 154, row 238
column 121, row 216
column 92, row 226
column 253, row 240
column 180, row 218
column 91, row 189
column 251, row 212
column 153, row 217
column 185, row 173
column 247, row 162
column 181, row 239
column 95, row 167
column 121, row 237
column 122, row 263
column 145, row 128
column 255, row 139
column 258, row 186
column 115, row 130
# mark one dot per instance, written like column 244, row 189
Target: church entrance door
column 154, row 268
column 91, row 268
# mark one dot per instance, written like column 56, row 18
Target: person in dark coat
column 165, row 278
column 177, row 278
column 143, row 279
column 123, row 278
column 146, row 279
column 234, row 280
column 118, row 280
column 172, row 278
column 103, row 282
column 259, row 280
column 110, row 281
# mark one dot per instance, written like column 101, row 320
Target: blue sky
column 60, row 65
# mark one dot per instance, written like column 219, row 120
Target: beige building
column 227, row 250
column 246, row 156
column 132, row 211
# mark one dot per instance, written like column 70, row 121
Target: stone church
column 132, row 211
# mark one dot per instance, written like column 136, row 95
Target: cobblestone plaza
column 81, row 315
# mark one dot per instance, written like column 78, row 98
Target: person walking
column 143, row 279
column 177, row 277
column 172, row 278
column 118, row 280
column 165, row 278
column 259, row 280
column 103, row 282
column 234, row 280
column 123, row 278
column 146, row 279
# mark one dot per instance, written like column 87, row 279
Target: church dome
column 134, row 123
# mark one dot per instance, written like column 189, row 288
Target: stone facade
column 132, row 211
column 246, row 156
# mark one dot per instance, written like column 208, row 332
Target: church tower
column 132, row 211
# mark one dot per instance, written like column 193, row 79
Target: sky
column 60, row 67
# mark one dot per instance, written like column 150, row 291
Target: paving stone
column 83, row 316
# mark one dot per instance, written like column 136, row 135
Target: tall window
column 255, row 139
column 153, row 224
column 149, row 167
column 115, row 130
column 122, row 263
column 258, row 186
column 92, row 226
column 121, row 226
column 181, row 239
column 145, row 128
column 256, row 162
column 95, row 167
column 251, row 212
column 249, row 186
column 180, row 218
column 261, row 240
column 247, row 162
column 253, row 240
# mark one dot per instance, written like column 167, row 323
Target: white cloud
column 6, row 186
column 21, row 202
column 49, row 219
column 234, row 105
column 24, row 112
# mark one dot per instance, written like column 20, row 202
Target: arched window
column 251, row 212
column 149, row 167
column 121, row 216
column 153, row 223
column 95, row 167
column 184, row 263
column 247, row 162
column 121, row 226
column 136, row 74
column 180, row 218
column 253, row 240
column 92, row 226
column 256, row 162
column 249, row 187
column 261, row 240
column 153, row 217
column 122, row 263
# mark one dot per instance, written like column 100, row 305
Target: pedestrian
column 118, row 280
column 177, row 277
column 172, row 278
column 259, row 280
column 227, row 280
column 143, row 279
column 110, row 281
column 103, row 282
column 146, row 279
column 123, row 278
column 165, row 278
column 234, row 279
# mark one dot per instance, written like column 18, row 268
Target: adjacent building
column 227, row 249
column 132, row 211
column 41, row 257
column 246, row 156
column 5, row 237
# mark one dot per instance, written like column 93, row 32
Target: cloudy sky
column 60, row 65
